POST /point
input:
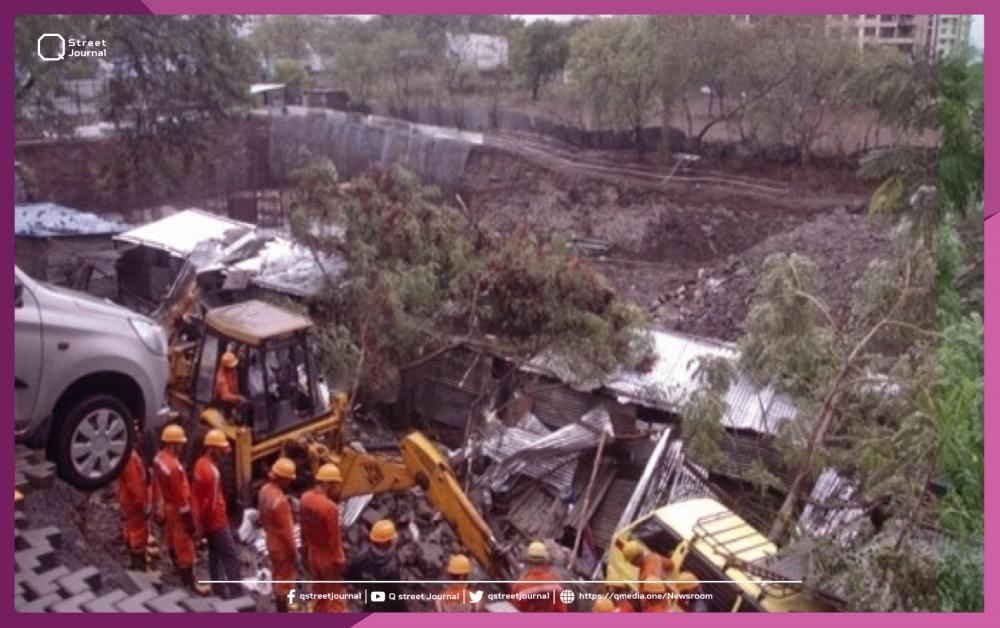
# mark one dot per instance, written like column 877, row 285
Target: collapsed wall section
column 355, row 143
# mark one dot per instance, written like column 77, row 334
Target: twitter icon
column 475, row 596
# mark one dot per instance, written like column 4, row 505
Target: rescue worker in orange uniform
column 456, row 597
column 321, row 539
column 134, row 501
column 172, row 496
column 617, row 592
column 378, row 566
column 276, row 519
column 227, row 383
column 654, row 598
column 534, row 581
column 652, row 566
column 211, row 518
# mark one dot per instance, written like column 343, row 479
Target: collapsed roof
column 49, row 220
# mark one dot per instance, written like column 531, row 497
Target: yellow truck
column 734, row 562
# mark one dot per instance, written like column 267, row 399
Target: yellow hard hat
column 216, row 438
column 537, row 551
column 459, row 565
column 603, row 605
column 632, row 550
column 283, row 468
column 329, row 473
column 654, row 586
column 173, row 433
column 686, row 581
column 383, row 531
column 229, row 359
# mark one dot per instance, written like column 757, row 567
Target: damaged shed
column 234, row 260
column 66, row 246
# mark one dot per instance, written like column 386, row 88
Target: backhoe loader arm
column 421, row 465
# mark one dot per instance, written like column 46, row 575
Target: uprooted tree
column 864, row 397
column 424, row 278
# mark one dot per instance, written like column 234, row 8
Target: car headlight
column 151, row 335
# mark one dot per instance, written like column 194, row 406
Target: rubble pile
column 425, row 542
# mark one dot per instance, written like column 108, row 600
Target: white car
column 85, row 370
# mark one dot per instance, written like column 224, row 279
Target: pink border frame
column 992, row 260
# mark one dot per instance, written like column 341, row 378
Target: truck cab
column 735, row 563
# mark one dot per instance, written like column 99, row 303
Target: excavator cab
column 282, row 395
column 276, row 372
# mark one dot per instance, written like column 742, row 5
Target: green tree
column 174, row 79
column 37, row 83
column 422, row 278
column 807, row 75
column 294, row 75
column 285, row 36
column 611, row 63
column 539, row 52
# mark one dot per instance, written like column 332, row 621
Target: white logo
column 291, row 596
column 378, row 596
column 567, row 596
column 475, row 596
column 51, row 47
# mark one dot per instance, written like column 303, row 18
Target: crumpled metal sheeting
column 550, row 458
column 687, row 485
column 535, row 512
column 841, row 524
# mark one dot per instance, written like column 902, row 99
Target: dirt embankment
column 689, row 253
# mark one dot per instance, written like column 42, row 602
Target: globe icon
column 567, row 596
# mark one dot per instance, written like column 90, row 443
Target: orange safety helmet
column 216, row 438
column 459, row 565
column 329, row 472
column 383, row 531
column 686, row 581
column 283, row 468
column 173, row 433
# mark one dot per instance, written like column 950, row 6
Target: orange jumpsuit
column 550, row 603
column 324, row 549
column 133, row 499
column 655, row 567
column 173, row 499
column 227, row 386
column 276, row 518
column 206, row 493
column 461, row 602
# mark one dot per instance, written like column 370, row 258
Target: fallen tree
column 423, row 277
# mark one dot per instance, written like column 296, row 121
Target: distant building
column 477, row 51
column 953, row 33
column 937, row 34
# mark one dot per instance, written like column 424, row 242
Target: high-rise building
column 953, row 34
column 934, row 34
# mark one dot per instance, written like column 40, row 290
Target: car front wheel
column 94, row 440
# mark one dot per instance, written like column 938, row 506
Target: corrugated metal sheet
column 837, row 523
column 604, row 523
column 551, row 458
column 49, row 220
column 673, row 378
column 179, row 233
column 536, row 512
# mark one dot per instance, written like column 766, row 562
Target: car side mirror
column 18, row 295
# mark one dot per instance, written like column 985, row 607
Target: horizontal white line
column 253, row 581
